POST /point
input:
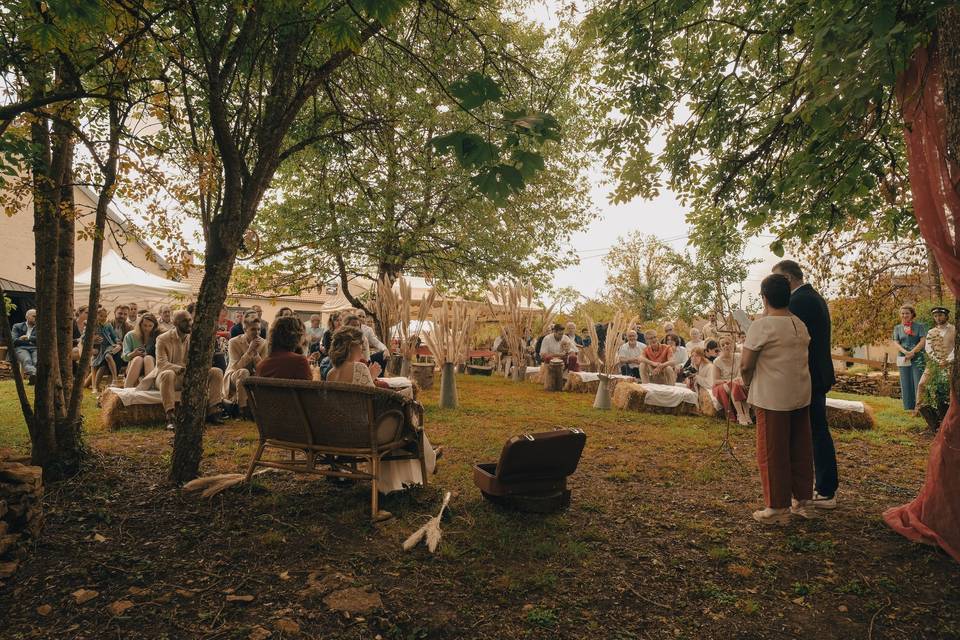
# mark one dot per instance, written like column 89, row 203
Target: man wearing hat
column 940, row 339
column 557, row 345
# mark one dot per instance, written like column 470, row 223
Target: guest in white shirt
column 679, row 351
column 696, row 340
column 374, row 349
column 315, row 334
column 557, row 346
column 630, row 355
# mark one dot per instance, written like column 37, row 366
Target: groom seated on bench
column 167, row 377
column 558, row 346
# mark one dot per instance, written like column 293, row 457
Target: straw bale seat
column 849, row 414
column 334, row 427
column 654, row 398
column 146, row 410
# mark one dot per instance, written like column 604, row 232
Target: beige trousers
column 168, row 382
column 233, row 389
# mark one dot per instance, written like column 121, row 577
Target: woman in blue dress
column 909, row 338
column 107, row 342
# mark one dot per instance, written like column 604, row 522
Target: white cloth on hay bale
column 668, row 396
column 592, row 376
column 133, row 396
column 845, row 405
column 401, row 385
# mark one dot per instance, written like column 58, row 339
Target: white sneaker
column 822, row 502
column 803, row 508
column 772, row 516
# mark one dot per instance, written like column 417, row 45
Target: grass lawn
column 658, row 541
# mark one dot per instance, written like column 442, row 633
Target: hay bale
column 843, row 418
column 629, row 396
column 116, row 416
column 533, row 374
column 707, row 406
column 615, row 380
column 576, row 384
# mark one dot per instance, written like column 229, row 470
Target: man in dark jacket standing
column 811, row 308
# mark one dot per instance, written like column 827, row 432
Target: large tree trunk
column 948, row 47
column 933, row 270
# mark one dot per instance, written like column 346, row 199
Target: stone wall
column 21, row 514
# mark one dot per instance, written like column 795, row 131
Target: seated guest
column 728, row 387
column 167, row 376
column 108, row 345
column 165, row 318
column 246, row 351
column 774, row 365
column 25, row 344
column 140, row 349
column 698, row 371
column 350, row 367
column 285, row 357
column 133, row 310
column 584, row 339
column 238, row 328
column 696, row 340
column 376, row 351
column 570, row 330
column 668, row 330
column 711, row 349
column 314, row 334
column 630, row 355
column 558, row 346
column 284, row 312
column 222, row 337
column 529, row 346
column 656, row 363
column 79, row 326
column 121, row 326
column 333, row 323
column 679, row 351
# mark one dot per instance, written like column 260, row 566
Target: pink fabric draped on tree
column 933, row 517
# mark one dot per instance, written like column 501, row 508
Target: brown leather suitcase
column 532, row 472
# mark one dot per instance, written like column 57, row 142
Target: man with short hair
column 630, row 355
column 246, row 351
column 556, row 345
column 375, row 349
column 133, row 309
column 237, row 328
column 711, row 349
column 668, row 330
column 25, row 344
column 172, row 347
column 656, row 363
column 165, row 320
column 810, row 307
column 315, row 334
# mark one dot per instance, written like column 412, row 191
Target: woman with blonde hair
column 350, row 367
column 140, row 349
column 728, row 386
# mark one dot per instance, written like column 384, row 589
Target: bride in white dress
column 350, row 367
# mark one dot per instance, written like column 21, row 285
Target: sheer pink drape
column 934, row 515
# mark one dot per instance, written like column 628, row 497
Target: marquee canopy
column 122, row 282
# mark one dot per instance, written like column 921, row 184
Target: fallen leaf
column 81, row 596
column 233, row 598
column 259, row 633
column 353, row 600
column 137, row 591
column 185, row 593
column 798, row 600
column 842, row 608
column 119, row 607
column 287, row 626
column 285, row 575
column 740, row 570
column 98, row 538
column 44, row 609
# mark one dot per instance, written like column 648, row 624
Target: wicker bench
column 335, row 427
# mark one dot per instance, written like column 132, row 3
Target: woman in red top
column 285, row 357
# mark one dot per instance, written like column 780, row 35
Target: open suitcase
column 532, row 472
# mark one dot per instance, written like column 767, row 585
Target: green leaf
column 527, row 163
column 776, row 247
column 498, row 182
column 471, row 150
column 383, row 11
column 475, row 90
column 342, row 32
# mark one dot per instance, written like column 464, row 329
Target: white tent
column 122, row 282
column 414, row 327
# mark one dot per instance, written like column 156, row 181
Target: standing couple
column 788, row 369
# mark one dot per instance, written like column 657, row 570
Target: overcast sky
column 663, row 217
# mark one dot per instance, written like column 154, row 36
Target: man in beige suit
column 246, row 351
column 172, row 347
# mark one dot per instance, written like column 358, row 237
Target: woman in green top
column 139, row 349
column 909, row 338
